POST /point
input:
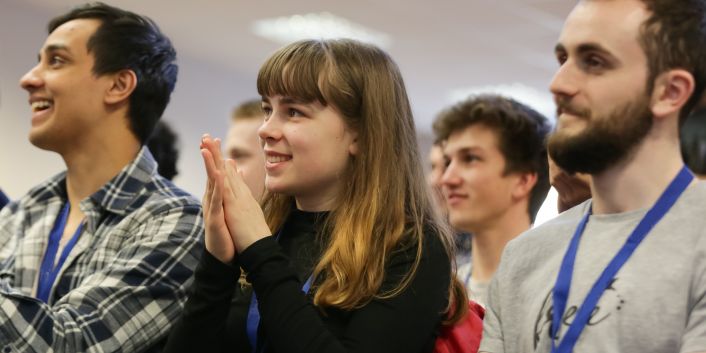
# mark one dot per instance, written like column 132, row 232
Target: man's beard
column 604, row 141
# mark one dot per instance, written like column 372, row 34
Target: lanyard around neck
column 563, row 282
column 50, row 268
column 253, row 319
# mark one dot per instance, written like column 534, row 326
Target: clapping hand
column 234, row 219
column 218, row 240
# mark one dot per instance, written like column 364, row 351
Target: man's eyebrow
column 465, row 149
column 593, row 47
column 559, row 48
column 585, row 48
column 52, row 48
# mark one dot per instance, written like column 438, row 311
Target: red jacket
column 464, row 337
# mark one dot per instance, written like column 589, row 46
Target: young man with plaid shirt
column 98, row 257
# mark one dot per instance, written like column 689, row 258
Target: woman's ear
column 120, row 86
column 353, row 147
column 671, row 91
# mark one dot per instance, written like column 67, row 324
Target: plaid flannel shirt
column 122, row 285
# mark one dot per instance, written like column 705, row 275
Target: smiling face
column 600, row 87
column 478, row 192
column 65, row 96
column 308, row 148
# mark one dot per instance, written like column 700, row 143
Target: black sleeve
column 405, row 323
column 202, row 326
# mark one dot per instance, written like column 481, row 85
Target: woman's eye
column 294, row 113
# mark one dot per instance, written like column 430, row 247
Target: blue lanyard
column 563, row 281
column 48, row 271
column 253, row 319
column 467, row 282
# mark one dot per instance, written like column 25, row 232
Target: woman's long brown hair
column 384, row 203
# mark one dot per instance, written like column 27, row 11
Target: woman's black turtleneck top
column 215, row 315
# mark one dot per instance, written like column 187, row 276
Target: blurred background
column 446, row 50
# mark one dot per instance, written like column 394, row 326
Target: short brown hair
column 674, row 37
column 249, row 109
column 143, row 49
column 521, row 133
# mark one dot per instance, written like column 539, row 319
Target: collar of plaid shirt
column 116, row 196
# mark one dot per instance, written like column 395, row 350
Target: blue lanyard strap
column 253, row 319
column 49, row 270
column 560, row 293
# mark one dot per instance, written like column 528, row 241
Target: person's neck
column 638, row 180
column 92, row 163
column 488, row 242
column 325, row 201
